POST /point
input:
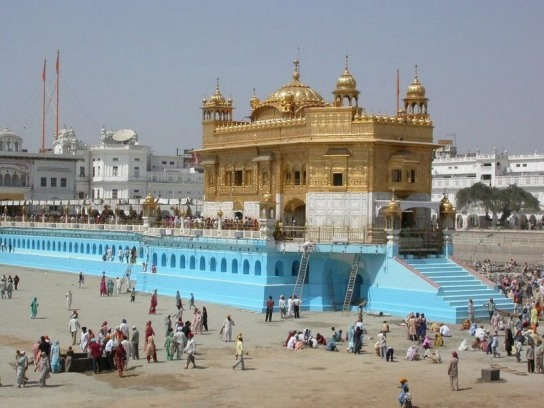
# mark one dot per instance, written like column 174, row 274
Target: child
column 495, row 345
column 132, row 295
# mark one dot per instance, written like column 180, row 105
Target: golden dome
column 217, row 99
column 295, row 92
column 446, row 206
column 346, row 81
column 416, row 88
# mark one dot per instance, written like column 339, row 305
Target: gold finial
column 254, row 93
column 296, row 73
column 347, row 62
column 217, row 84
column 416, row 73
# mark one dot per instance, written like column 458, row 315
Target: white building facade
column 34, row 176
column 118, row 167
column 452, row 172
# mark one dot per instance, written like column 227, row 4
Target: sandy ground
column 275, row 377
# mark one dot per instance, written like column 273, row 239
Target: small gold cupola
column 415, row 102
column 216, row 107
column 346, row 89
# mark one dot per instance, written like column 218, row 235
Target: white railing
column 154, row 231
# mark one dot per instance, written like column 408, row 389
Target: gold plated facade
column 295, row 144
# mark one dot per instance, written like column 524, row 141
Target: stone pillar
column 392, row 246
column 448, row 244
column 266, row 227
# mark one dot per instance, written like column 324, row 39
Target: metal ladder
column 351, row 282
column 302, row 269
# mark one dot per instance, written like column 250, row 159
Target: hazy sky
column 146, row 65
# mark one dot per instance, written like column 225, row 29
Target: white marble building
column 34, row 176
column 119, row 167
column 452, row 172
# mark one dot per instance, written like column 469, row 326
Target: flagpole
column 58, row 75
column 398, row 92
column 43, row 106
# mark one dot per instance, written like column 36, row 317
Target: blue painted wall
column 241, row 273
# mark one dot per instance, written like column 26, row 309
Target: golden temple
column 314, row 162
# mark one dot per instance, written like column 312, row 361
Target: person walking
column 470, row 308
column 68, row 297
column 239, row 353
column 133, row 295
column 180, row 341
column 153, row 303
column 296, row 306
column 73, row 327
column 134, row 343
column 150, row 349
column 530, row 354
column 226, row 329
column 205, row 318
column 269, row 309
column 192, row 301
column 21, row 362
column 34, row 308
column 491, row 307
column 44, row 367
column 179, row 303
column 190, row 349
column 453, row 371
column 81, row 280
column 283, row 307
column 96, row 352
column 169, row 344
column 16, row 281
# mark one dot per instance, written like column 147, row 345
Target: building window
column 137, row 172
column 304, row 177
column 116, row 159
column 63, row 182
column 81, row 195
column 238, row 177
column 163, row 162
column 137, row 159
column 337, row 179
column 265, row 177
column 411, row 175
column 81, row 171
column 115, row 171
column 171, row 163
column 114, row 193
column 43, row 182
column 94, row 171
column 524, row 164
column 53, row 182
column 396, row 175
column 297, row 178
column 210, row 179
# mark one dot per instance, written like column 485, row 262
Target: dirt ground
column 275, row 377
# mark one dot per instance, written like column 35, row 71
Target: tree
column 497, row 201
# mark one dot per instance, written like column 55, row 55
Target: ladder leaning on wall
column 351, row 282
column 307, row 249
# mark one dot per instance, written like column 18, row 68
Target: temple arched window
column 396, row 175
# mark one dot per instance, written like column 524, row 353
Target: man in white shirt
column 84, row 340
column 109, row 352
column 124, row 328
column 179, row 341
column 190, row 349
column 73, row 326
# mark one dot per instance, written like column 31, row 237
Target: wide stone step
column 438, row 267
column 466, row 292
column 474, row 295
column 476, row 285
column 455, row 281
column 479, row 301
column 439, row 275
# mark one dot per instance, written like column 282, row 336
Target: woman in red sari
column 120, row 357
column 103, row 288
column 154, row 302
column 148, row 332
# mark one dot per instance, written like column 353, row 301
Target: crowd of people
column 7, row 285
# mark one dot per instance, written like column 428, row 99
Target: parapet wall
column 499, row 246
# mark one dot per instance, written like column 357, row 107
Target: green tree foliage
column 504, row 201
